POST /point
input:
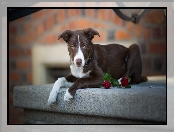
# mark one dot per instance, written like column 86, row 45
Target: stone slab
column 45, row 117
column 145, row 101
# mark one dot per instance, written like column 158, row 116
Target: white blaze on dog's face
column 79, row 49
column 79, row 59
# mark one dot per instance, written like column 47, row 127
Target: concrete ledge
column 143, row 103
column 45, row 117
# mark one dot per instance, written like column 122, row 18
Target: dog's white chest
column 78, row 72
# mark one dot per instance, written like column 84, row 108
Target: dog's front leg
column 61, row 82
column 89, row 82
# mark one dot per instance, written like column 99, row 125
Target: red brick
column 48, row 11
column 146, row 63
column 23, row 64
column 39, row 29
column 89, row 13
column 109, row 16
column 16, row 115
column 164, row 32
column 27, row 26
column 12, row 29
column 29, row 77
column 143, row 48
column 83, row 23
column 164, row 64
column 60, row 15
column 104, row 26
column 25, row 38
column 14, row 76
column 11, row 88
column 122, row 35
column 38, row 15
column 48, row 23
column 96, row 25
column 14, row 52
column 157, row 48
column 95, row 13
column 31, row 35
column 20, row 112
column 72, row 25
column 156, row 33
column 155, row 17
column 63, row 28
column 123, row 23
column 49, row 39
column 78, row 12
column 22, row 39
column 26, row 52
column 73, row 12
column 147, row 33
column 116, row 20
column 19, row 20
column 70, row 12
column 15, row 120
column 130, row 27
column 40, row 41
column 138, row 30
column 102, row 14
column 12, row 39
column 10, row 99
column 102, row 37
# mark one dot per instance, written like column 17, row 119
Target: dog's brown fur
column 120, row 60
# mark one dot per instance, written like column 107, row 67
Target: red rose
column 106, row 84
column 124, row 81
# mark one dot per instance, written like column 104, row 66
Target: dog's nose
column 78, row 62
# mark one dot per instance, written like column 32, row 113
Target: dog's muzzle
column 78, row 62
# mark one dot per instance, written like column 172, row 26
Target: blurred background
column 37, row 57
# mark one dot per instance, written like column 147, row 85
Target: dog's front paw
column 67, row 96
column 52, row 98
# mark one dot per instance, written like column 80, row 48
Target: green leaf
column 129, row 79
column 106, row 76
column 115, row 82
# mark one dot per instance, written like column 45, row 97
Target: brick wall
column 44, row 26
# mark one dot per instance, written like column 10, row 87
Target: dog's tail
column 143, row 79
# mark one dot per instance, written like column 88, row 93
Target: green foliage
column 113, row 81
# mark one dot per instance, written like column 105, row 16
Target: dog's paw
column 67, row 96
column 52, row 98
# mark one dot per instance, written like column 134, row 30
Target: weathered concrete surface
column 45, row 117
column 145, row 101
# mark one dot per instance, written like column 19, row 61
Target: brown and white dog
column 90, row 61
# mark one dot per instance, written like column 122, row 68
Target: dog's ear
column 65, row 35
column 89, row 32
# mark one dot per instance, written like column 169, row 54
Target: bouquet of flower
column 108, row 81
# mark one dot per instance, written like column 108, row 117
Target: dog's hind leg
column 134, row 64
column 61, row 82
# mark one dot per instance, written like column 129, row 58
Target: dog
column 90, row 61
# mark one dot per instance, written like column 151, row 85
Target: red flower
column 106, row 84
column 124, row 81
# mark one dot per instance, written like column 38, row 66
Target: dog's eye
column 72, row 46
column 84, row 46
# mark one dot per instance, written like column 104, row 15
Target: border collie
column 90, row 61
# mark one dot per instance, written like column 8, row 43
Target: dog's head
column 79, row 43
